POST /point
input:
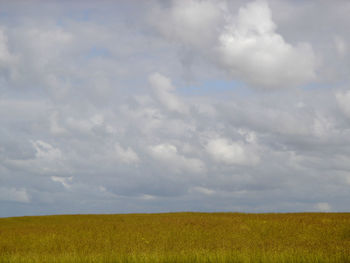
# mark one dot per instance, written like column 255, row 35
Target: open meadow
column 177, row 237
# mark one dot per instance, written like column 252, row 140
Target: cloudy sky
column 184, row 105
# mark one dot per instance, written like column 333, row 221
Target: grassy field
column 177, row 237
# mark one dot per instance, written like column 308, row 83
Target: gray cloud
column 207, row 110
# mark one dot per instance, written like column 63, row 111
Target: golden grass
column 177, row 237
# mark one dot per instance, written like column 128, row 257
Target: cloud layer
column 174, row 106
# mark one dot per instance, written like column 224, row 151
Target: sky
column 165, row 106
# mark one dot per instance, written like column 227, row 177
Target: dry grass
column 177, row 237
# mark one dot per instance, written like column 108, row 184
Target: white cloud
column 7, row 60
column 323, row 207
column 167, row 154
column 202, row 190
column 5, row 55
column 127, row 155
column 340, row 46
column 147, row 197
column 85, row 125
column 13, row 194
column 249, row 136
column 55, row 127
column 343, row 99
column 164, row 151
column 163, row 90
column 46, row 151
column 246, row 45
column 97, row 120
column 47, row 160
column 189, row 21
column 65, row 181
column 225, row 151
column 251, row 49
column 322, row 126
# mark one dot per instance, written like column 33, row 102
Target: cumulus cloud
column 85, row 125
column 55, row 127
column 343, row 99
column 246, row 46
column 46, row 160
column 169, row 156
column 190, row 22
column 5, row 55
column 127, row 155
column 340, row 46
column 46, row 151
column 163, row 90
column 222, row 150
column 7, row 59
column 65, row 181
column 251, row 49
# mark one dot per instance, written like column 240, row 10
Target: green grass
column 177, row 237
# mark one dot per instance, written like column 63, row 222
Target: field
column 177, row 237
